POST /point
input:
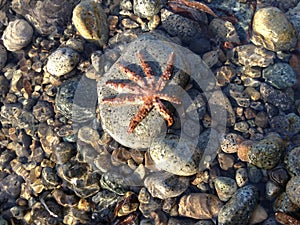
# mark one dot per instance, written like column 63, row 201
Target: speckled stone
column 286, row 124
column 146, row 8
column 241, row 177
column 293, row 15
column 293, row 190
column 199, row 206
column 280, row 75
column 3, row 56
column 116, row 118
column 62, row 61
column 90, row 21
column 164, row 185
column 250, row 55
column 292, row 161
column 17, row 35
column 277, row 98
column 272, row 30
column 266, row 153
column 239, row 207
column 224, row 30
column 180, row 26
column 176, row 155
column 231, row 142
column 225, row 187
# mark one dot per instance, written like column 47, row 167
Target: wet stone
column 77, row 99
column 17, row 35
column 280, row 75
column 261, row 119
column 272, row 190
column 272, row 30
column 62, row 61
column 293, row 190
column 224, row 30
column 3, row 56
column 286, row 124
column 292, row 161
column 250, row 55
column 239, row 207
column 153, row 125
column 11, row 185
column 180, row 26
column 43, row 111
column 199, row 206
column 276, row 97
column 225, row 187
column 90, row 21
column 254, row 174
column 231, row 142
column 146, row 8
column 284, row 204
column 241, row 177
column 164, row 185
column 175, row 155
column 266, row 153
column 224, row 75
column 293, row 16
column 226, row 161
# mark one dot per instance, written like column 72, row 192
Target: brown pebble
column 244, row 149
column 199, row 206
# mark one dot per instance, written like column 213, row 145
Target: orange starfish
column 145, row 90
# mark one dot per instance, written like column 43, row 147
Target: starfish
column 146, row 91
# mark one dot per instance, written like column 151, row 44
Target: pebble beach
column 149, row 112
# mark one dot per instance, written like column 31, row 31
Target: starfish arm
column 147, row 69
column 130, row 88
column 162, row 82
column 132, row 75
column 162, row 109
column 140, row 115
column 122, row 100
column 169, row 98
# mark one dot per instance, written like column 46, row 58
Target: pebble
column 261, row 119
column 276, row 97
column 292, row 161
column 177, row 25
column 17, row 35
column 259, row 215
column 226, row 161
column 265, row 153
column 286, row 124
column 251, row 55
column 241, row 177
column 199, row 206
column 293, row 16
column 43, row 111
column 48, row 17
column 3, row 56
column 240, row 207
column 293, row 190
column 146, row 8
column 77, row 99
column 280, row 75
column 176, row 155
column 225, row 187
column 272, row 30
column 255, row 175
column 224, row 31
column 224, row 75
column 231, row 142
column 164, row 185
column 62, row 61
column 284, row 204
column 272, row 190
column 90, row 21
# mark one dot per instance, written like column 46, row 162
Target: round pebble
column 231, row 142
column 90, row 21
column 293, row 190
column 225, row 187
column 239, row 207
column 164, row 185
column 266, row 153
column 176, row 155
column 224, row 30
column 3, row 56
column 272, row 30
column 62, row 61
column 146, row 8
column 292, row 161
column 241, row 177
column 280, row 75
column 17, row 35
column 199, row 206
